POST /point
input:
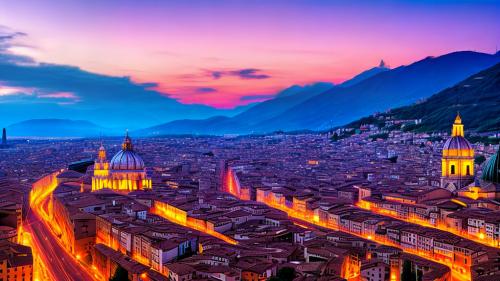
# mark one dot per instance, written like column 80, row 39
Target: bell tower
column 457, row 164
column 101, row 170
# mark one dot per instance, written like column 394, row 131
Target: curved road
column 59, row 264
column 56, row 262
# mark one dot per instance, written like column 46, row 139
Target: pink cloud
column 294, row 42
column 66, row 97
column 59, row 95
column 8, row 90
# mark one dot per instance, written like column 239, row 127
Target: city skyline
column 362, row 206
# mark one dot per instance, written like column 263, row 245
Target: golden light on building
column 180, row 217
column 302, row 213
column 125, row 172
column 41, row 203
column 457, row 164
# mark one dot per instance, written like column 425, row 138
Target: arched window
column 467, row 170
column 452, row 168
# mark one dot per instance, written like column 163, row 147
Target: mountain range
column 55, row 128
column 322, row 106
column 37, row 90
column 318, row 106
column 477, row 99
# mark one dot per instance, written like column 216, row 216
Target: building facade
column 125, row 172
column 457, row 168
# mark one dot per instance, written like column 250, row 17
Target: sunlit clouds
column 221, row 52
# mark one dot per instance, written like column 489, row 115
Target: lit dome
column 127, row 159
column 457, row 145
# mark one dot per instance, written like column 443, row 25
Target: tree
column 286, row 274
column 120, row 274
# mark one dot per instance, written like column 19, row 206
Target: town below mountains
column 428, row 91
column 476, row 99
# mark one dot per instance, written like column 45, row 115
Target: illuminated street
column 60, row 264
column 480, row 238
column 190, row 223
column 253, row 209
column 456, row 276
column 54, row 259
column 249, row 140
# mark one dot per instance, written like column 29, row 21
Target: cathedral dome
column 491, row 171
column 127, row 159
column 457, row 145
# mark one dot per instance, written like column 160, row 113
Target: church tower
column 457, row 168
column 101, row 170
column 124, row 173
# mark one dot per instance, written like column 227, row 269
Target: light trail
column 481, row 238
column 310, row 218
column 40, row 271
column 179, row 217
column 54, row 261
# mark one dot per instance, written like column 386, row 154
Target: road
column 59, row 264
column 53, row 261
column 314, row 224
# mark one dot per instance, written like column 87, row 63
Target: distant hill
column 242, row 122
column 477, row 99
column 284, row 100
column 211, row 126
column 56, row 128
column 366, row 74
column 322, row 106
column 397, row 87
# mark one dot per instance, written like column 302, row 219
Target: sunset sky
column 229, row 53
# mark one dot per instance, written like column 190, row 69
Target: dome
column 458, row 143
column 127, row 159
column 491, row 171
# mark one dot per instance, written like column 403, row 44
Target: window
column 452, row 169
column 467, row 170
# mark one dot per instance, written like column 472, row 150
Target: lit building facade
column 125, row 172
column 458, row 159
column 488, row 186
column 16, row 262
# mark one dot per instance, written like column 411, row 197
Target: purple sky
column 221, row 52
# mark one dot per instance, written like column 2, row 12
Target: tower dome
column 101, row 156
column 457, row 145
column 457, row 163
column 127, row 159
column 491, row 171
